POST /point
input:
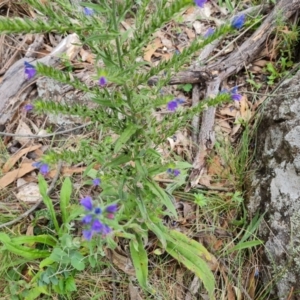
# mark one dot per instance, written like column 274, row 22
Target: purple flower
column 210, row 31
column 172, row 105
column 235, row 95
column 102, row 81
column 30, row 70
column 28, row 107
column 88, row 11
column 96, row 182
column 111, row 208
column 238, row 21
column 37, row 164
column 173, row 172
column 98, row 211
column 200, row 3
column 87, row 219
column 44, row 169
column 97, row 226
column 176, row 172
column 106, row 229
column 87, row 234
column 87, row 203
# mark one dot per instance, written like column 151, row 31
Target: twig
column 35, row 206
column 36, row 136
column 206, row 137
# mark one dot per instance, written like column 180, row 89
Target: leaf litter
column 175, row 36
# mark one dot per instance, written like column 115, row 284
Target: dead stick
column 230, row 65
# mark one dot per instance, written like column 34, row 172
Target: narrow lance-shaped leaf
column 47, row 201
column 140, row 262
column 65, row 195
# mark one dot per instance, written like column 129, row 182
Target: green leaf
column 121, row 159
column 26, row 252
column 47, row 201
column 70, row 285
column 43, row 239
column 194, row 263
column 125, row 136
column 187, row 87
column 77, row 261
column 245, row 245
column 65, row 195
column 34, row 293
column 60, row 256
column 74, row 212
column 199, row 249
column 4, row 237
column 140, row 262
column 140, row 168
column 46, row 262
column 163, row 197
column 103, row 37
column 159, row 234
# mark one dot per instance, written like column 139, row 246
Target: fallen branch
column 225, row 67
column 15, row 81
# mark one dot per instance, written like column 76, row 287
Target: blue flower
column 176, row 172
column 106, row 229
column 238, row 21
column 44, row 169
column 96, row 182
column 87, row 219
column 92, row 221
column 173, row 105
column 210, row 31
column 102, row 81
column 28, row 107
column 97, row 226
column 88, row 11
column 112, row 208
column 200, row 3
column 37, row 164
column 87, row 234
column 30, row 70
column 235, row 95
column 87, row 203
column 98, row 210
column 173, row 172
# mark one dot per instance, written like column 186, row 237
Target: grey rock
column 275, row 189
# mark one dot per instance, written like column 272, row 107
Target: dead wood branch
column 15, row 81
column 232, row 64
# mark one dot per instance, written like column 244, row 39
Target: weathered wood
column 14, row 81
column 227, row 66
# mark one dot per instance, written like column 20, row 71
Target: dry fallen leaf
column 228, row 111
column 13, row 159
column 87, row 56
column 122, row 262
column 151, row 48
column 11, row 176
column 23, row 129
column 28, row 192
column 244, row 109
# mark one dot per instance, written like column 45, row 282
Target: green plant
column 128, row 153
